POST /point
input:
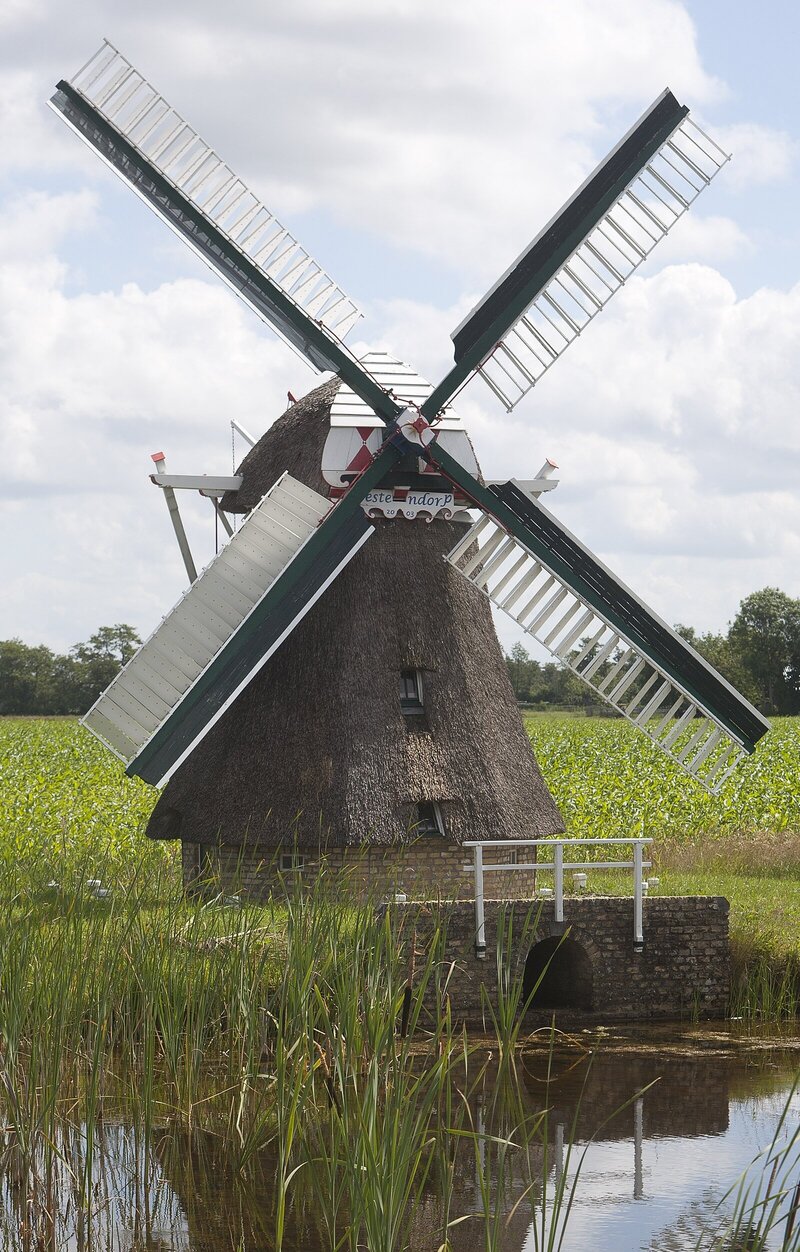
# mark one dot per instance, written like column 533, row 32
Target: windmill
column 334, row 495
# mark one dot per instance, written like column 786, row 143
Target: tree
column 725, row 657
column 552, row 683
column 26, row 678
column 97, row 662
column 109, row 643
column 37, row 681
column 523, row 672
column 765, row 635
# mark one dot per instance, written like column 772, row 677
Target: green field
column 70, row 813
column 609, row 780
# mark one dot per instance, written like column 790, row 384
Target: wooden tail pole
column 160, row 463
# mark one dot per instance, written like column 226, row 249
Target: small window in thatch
column 292, row 862
column 429, row 819
column 411, row 691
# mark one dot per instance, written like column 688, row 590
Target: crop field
column 66, row 799
column 610, row 781
column 66, row 802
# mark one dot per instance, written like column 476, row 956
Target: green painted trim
column 340, row 362
column 495, row 507
column 508, row 316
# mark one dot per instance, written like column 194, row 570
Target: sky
column 415, row 149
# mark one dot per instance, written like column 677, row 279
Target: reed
column 766, row 1199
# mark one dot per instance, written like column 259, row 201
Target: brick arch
column 544, row 927
column 559, row 973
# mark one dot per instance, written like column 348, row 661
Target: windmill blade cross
column 116, row 111
column 573, row 267
column 294, row 544
column 529, row 565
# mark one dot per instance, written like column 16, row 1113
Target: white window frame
column 437, row 813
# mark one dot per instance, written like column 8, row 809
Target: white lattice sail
column 621, row 671
column 171, row 147
column 146, row 693
column 600, row 238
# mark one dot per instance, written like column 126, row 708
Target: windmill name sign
column 405, row 502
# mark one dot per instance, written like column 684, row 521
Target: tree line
column 34, row 680
column 759, row 654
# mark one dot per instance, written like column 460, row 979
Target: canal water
column 645, row 1130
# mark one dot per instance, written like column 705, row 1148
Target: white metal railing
column 479, row 867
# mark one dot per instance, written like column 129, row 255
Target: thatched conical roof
column 318, row 745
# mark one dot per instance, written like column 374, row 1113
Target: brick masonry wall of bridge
column 594, row 973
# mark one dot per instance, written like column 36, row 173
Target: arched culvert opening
column 562, row 969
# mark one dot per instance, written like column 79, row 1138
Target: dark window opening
column 558, row 975
column 429, row 819
column 411, row 691
column 292, row 862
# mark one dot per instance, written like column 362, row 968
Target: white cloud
column 453, row 130
column 761, row 154
column 33, row 224
column 90, row 385
column 673, row 424
column 708, row 239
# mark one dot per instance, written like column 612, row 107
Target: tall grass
column 766, row 1199
column 304, row 1037
column 302, row 1033
column 291, row 1029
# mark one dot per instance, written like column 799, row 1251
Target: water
column 698, row 1108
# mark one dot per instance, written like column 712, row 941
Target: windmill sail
column 113, row 108
column 400, row 381
column 224, row 628
column 584, row 255
column 530, row 566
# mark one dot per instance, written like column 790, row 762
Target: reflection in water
column 108, row 1194
column 669, row 1133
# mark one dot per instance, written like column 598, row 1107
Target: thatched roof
column 294, row 443
column 317, row 744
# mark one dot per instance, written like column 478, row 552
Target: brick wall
column 428, row 869
column 682, row 970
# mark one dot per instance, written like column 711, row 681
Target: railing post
column 559, row 881
column 480, row 925
column 638, row 1135
column 638, row 923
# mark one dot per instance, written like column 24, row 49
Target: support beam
column 175, row 517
